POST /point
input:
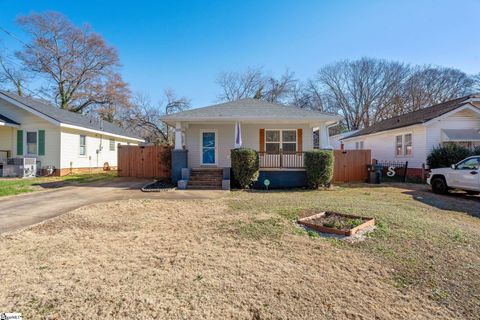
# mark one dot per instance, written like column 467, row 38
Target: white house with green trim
column 67, row 141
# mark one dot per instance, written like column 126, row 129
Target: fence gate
column 144, row 162
column 351, row 165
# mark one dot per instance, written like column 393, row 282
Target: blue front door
column 209, row 144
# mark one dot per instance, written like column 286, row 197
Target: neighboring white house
column 68, row 141
column 280, row 133
column 411, row 137
column 335, row 140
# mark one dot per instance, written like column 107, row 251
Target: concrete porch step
column 204, row 183
column 205, row 180
column 204, row 187
column 206, row 176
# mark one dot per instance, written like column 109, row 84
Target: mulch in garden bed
column 336, row 223
column 158, row 186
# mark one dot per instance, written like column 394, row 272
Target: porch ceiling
column 4, row 121
column 461, row 135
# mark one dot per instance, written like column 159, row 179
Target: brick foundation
column 66, row 171
column 415, row 172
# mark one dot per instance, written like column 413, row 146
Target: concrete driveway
column 20, row 211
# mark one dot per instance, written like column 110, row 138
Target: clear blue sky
column 185, row 44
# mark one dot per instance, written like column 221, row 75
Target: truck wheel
column 439, row 185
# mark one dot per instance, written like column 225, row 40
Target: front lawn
column 14, row 186
column 242, row 257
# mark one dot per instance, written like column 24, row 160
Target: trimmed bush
column 446, row 155
column 319, row 167
column 476, row 151
column 245, row 166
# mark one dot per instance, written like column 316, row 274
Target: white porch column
column 324, row 138
column 178, row 136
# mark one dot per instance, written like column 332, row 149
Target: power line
column 16, row 63
column 13, row 36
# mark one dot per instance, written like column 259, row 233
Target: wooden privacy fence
column 351, row 165
column 144, row 162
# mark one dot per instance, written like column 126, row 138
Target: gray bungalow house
column 281, row 134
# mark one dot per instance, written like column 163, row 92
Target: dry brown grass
column 238, row 257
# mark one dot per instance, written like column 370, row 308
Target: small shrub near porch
column 319, row 167
column 245, row 166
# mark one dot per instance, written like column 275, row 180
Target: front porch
column 281, row 134
column 281, row 160
column 7, row 141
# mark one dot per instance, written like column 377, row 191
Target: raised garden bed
column 158, row 186
column 336, row 223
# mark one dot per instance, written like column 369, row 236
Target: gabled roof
column 343, row 134
column 8, row 120
column 62, row 116
column 250, row 110
column 415, row 117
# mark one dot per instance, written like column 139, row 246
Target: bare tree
column 254, row 83
column 361, row 90
column 278, row 90
column 240, row 85
column 309, row 95
column 429, row 85
column 76, row 63
column 12, row 76
column 117, row 99
column 144, row 117
column 476, row 83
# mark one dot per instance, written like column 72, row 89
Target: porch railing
column 282, row 159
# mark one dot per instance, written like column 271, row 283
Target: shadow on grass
column 453, row 201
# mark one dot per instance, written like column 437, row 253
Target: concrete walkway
column 20, row 211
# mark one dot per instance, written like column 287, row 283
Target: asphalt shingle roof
column 8, row 120
column 415, row 117
column 68, row 117
column 249, row 109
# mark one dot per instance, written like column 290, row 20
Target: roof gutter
column 70, row 126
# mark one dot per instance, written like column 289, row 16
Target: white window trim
column 202, row 131
column 110, row 144
column 359, row 145
column 281, row 138
column 79, row 146
column 403, row 155
column 25, row 152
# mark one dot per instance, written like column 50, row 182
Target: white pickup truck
column 463, row 175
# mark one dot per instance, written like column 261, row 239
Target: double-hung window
column 83, row 145
column 403, row 145
column 359, row 145
column 31, row 142
column 280, row 140
column 112, row 145
column 407, row 141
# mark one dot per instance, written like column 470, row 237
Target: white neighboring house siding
column 7, row 135
column 70, row 154
column 425, row 137
column 382, row 145
column 30, row 122
column 62, row 145
column 226, row 139
column 464, row 119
